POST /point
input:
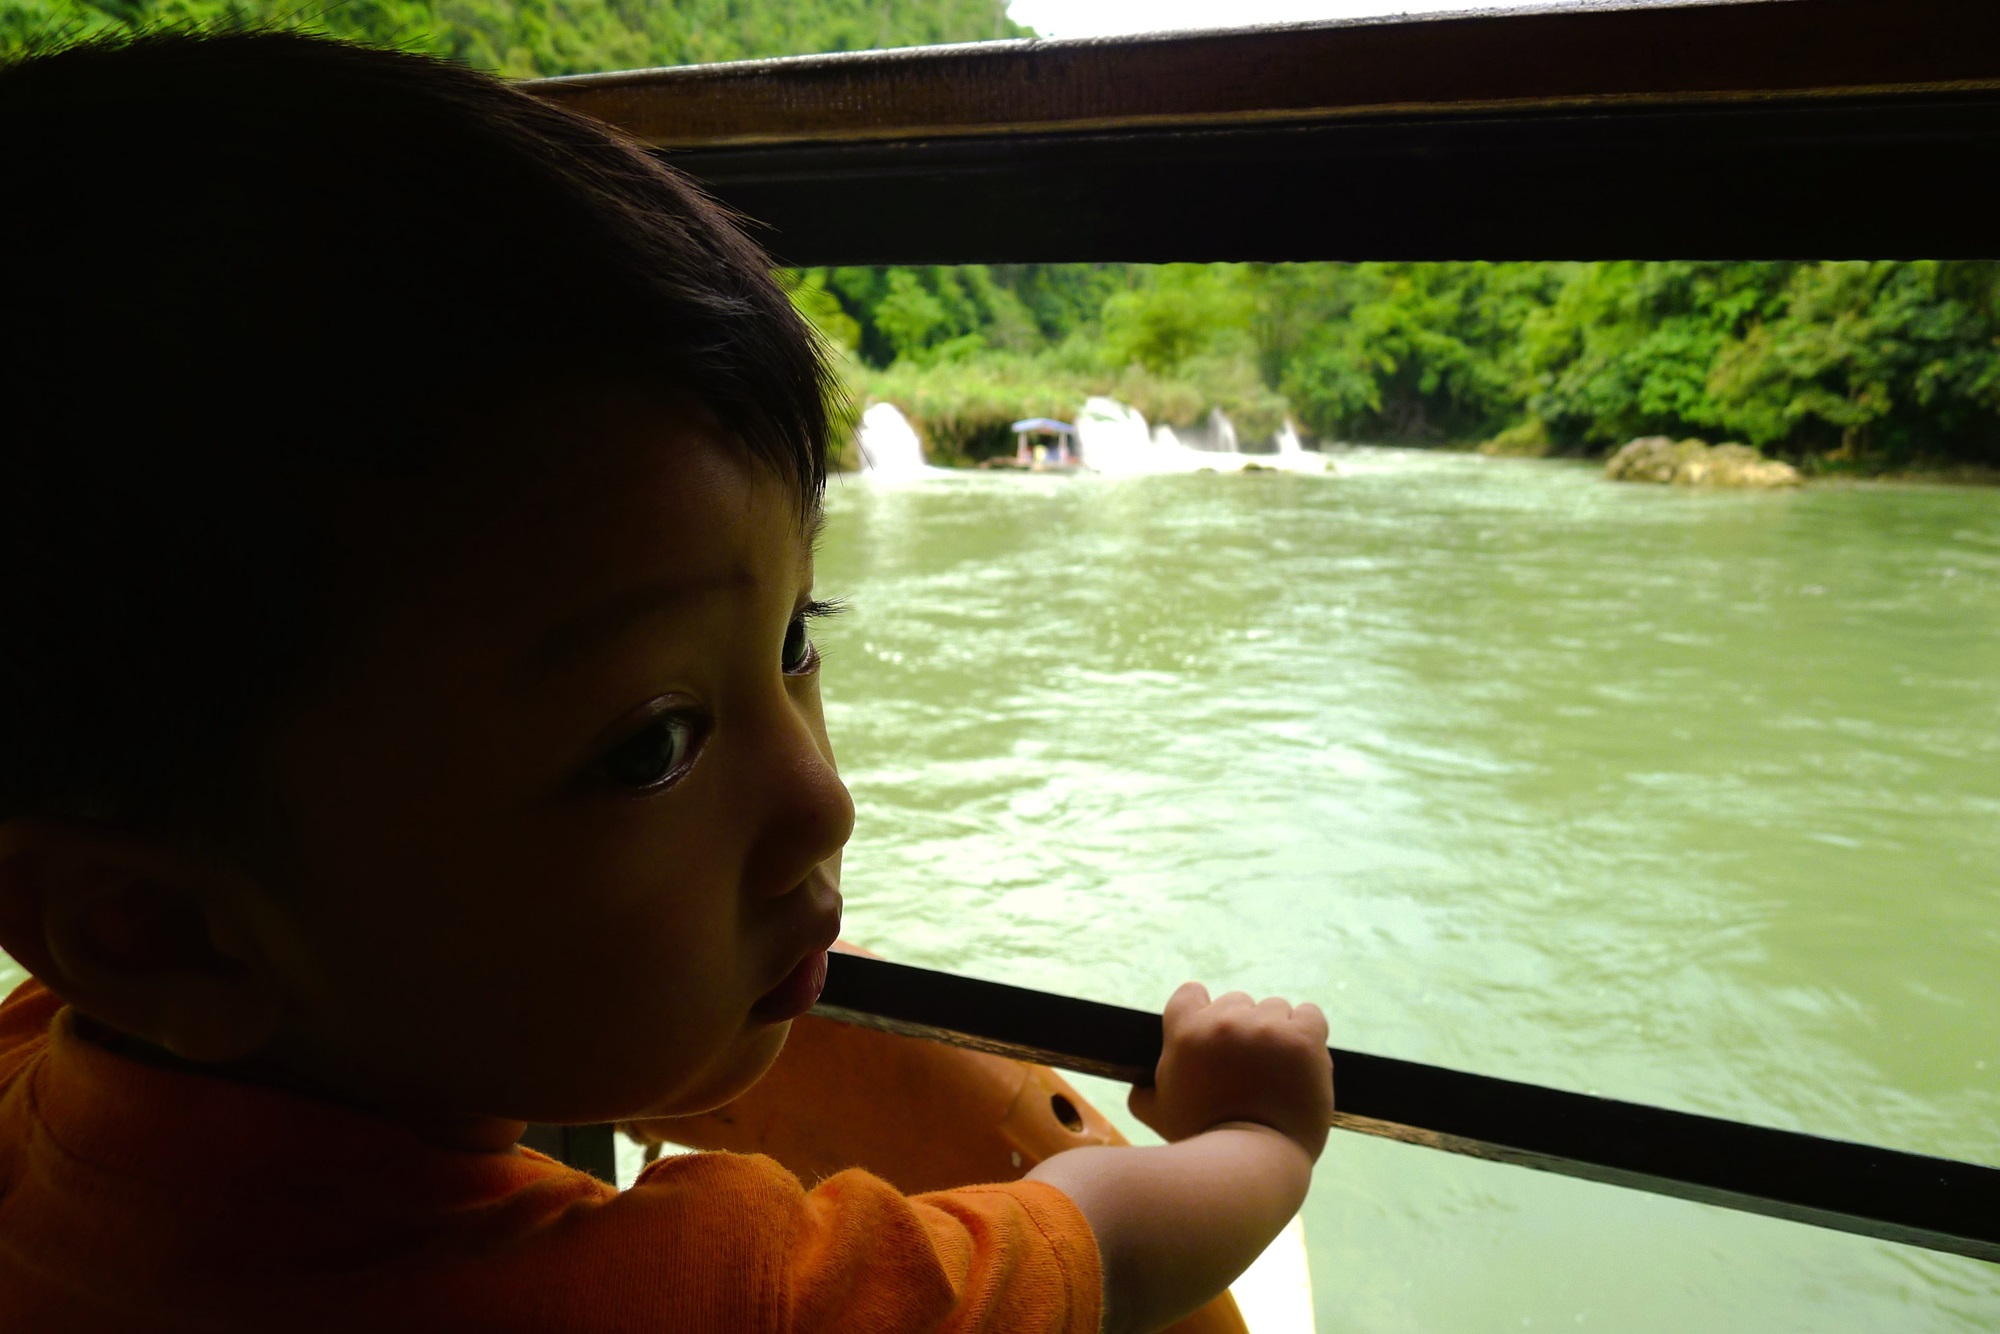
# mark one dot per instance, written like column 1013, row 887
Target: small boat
column 1038, row 455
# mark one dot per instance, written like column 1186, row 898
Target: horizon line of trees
column 526, row 39
column 1875, row 363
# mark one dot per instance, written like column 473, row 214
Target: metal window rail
column 1731, row 129
column 1906, row 1197
column 1874, row 1192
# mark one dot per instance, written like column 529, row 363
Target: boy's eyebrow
column 614, row 616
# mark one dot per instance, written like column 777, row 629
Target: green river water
column 1686, row 798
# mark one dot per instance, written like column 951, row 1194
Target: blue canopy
column 1043, row 424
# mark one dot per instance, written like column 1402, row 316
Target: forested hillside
column 1864, row 366
column 528, row 38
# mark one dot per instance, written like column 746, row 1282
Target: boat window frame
column 1644, row 129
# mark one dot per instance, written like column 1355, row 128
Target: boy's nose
column 810, row 813
column 825, row 807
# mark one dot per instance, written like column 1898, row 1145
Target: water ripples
column 1677, row 797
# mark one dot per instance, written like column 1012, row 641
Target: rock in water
column 1737, row 465
column 1652, row 458
column 1655, row 458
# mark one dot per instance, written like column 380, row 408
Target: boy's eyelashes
column 799, row 655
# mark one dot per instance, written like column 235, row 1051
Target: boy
column 409, row 728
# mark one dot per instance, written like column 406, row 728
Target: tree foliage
column 1878, row 364
column 533, row 38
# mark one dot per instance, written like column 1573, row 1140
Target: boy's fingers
column 1234, row 1000
column 1275, row 1006
column 1313, row 1019
column 1187, row 998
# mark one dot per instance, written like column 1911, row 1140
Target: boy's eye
column 797, row 657
column 654, row 754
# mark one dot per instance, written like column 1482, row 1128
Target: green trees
column 1176, row 312
column 1879, row 362
column 1626, row 349
column 530, row 38
column 927, row 315
column 1868, row 365
column 1886, row 361
column 1410, row 351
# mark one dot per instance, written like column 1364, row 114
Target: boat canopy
column 1627, row 129
column 1028, row 424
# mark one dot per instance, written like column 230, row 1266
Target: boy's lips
column 799, row 989
column 795, row 995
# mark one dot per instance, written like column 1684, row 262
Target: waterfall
column 1221, row 432
column 1112, row 438
column 1292, row 455
column 888, row 443
column 1215, row 434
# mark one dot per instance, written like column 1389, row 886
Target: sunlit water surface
column 1686, row 798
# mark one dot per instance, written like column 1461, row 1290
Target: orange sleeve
column 855, row 1254
column 1053, row 1269
column 1015, row 1257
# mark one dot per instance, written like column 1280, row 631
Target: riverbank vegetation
column 1852, row 366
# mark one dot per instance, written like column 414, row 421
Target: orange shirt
column 134, row 1198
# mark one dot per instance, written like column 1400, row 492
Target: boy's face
column 561, row 823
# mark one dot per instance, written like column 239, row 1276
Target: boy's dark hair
column 246, row 271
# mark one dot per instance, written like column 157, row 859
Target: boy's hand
column 1234, row 1059
column 1245, row 1093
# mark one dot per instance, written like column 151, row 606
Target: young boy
column 409, row 728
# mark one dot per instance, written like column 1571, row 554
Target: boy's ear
column 135, row 935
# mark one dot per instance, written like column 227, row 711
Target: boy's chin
column 726, row 1079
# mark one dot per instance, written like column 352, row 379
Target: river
column 1687, row 798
